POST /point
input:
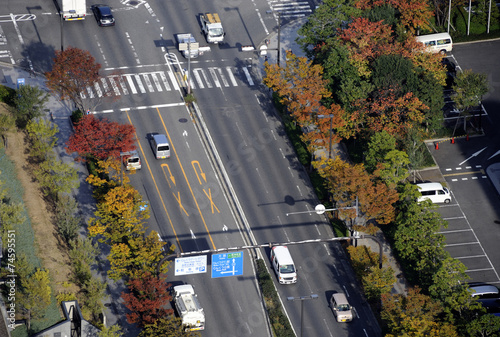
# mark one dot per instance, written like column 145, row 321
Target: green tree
column 42, row 136
column 67, row 220
column 7, row 123
column 95, row 292
column 35, row 295
column 450, row 288
column 378, row 147
column 112, row 331
column 82, row 253
column 167, row 326
column 56, row 177
column 484, row 325
column 11, row 213
column 469, row 89
column 394, row 168
column 417, row 239
column 29, row 102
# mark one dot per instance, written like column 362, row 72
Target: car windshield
column 344, row 307
column 215, row 32
column 133, row 160
column 287, row 269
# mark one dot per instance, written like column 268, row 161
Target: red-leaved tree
column 146, row 299
column 100, row 138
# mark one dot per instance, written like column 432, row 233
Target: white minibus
column 437, row 43
column 434, row 192
column 283, row 265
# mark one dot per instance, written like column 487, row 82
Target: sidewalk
column 60, row 112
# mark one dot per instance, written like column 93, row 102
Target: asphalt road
column 142, row 71
column 473, row 216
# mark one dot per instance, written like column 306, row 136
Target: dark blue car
column 103, row 15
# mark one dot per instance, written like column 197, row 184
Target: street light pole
column 302, row 299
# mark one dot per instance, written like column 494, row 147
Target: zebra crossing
column 160, row 81
column 290, row 8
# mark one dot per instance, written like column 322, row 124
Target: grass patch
column 279, row 322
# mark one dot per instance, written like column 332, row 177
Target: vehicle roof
column 433, row 36
column 484, row 289
column 429, row 186
column 283, row 254
column 160, row 138
column 340, row 298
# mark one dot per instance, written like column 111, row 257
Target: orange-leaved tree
column 390, row 112
column 147, row 299
column 346, row 182
column 301, row 88
column 74, row 71
column 100, row 138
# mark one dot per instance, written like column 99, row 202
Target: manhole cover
column 183, row 120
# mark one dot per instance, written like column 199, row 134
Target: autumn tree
column 167, row 326
column 100, row 138
column 74, row 70
column 146, row 299
column 415, row 314
column 119, row 216
column 376, row 281
column 29, row 102
column 346, row 182
column 301, row 89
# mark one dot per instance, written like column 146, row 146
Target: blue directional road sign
column 227, row 264
column 191, row 265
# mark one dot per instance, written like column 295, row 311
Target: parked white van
column 283, row 265
column 341, row 307
column 434, row 192
column 437, row 43
column 159, row 145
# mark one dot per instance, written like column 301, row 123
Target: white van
column 283, row 265
column 341, row 307
column 437, row 43
column 132, row 161
column 159, row 145
column 434, row 192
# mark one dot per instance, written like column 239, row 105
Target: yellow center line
column 187, row 181
column 156, row 186
column 463, row 173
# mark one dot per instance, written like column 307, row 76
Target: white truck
column 189, row 308
column 188, row 46
column 212, row 27
column 73, row 9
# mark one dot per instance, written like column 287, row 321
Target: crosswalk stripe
column 214, row 76
column 164, row 80
column 91, row 93
column 231, row 76
column 105, row 86
column 173, row 80
column 122, row 85
column 223, row 78
column 139, row 83
column 196, row 73
column 113, row 84
column 247, row 74
column 98, row 89
column 148, row 83
column 131, row 84
column 156, row 81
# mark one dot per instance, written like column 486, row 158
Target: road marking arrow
column 495, row 154
column 473, row 155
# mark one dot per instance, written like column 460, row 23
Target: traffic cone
column 453, row 140
column 437, row 146
column 467, row 138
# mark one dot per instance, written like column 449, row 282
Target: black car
column 103, row 15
